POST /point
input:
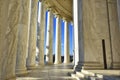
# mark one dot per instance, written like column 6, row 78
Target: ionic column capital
column 65, row 19
column 49, row 9
column 57, row 15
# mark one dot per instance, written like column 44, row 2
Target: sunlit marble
column 58, row 41
column 32, row 36
column 41, row 34
column 9, row 22
column 23, row 37
column 53, row 72
column 66, row 43
column 49, row 38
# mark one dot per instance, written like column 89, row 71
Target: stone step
column 94, row 78
column 81, row 75
column 75, row 76
column 88, row 73
column 86, row 76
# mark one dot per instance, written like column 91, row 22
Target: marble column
column 41, row 34
column 9, row 23
column 58, row 41
column 78, row 34
column 23, row 36
column 73, row 42
column 31, row 59
column 66, row 43
column 49, row 39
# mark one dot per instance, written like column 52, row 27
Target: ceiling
column 61, row 7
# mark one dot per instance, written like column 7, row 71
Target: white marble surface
column 23, row 36
column 94, row 32
column 9, row 22
column 115, row 34
column 66, row 43
column 32, row 35
column 49, row 39
column 53, row 72
column 41, row 33
column 98, row 26
column 58, row 41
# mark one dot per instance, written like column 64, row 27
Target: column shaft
column 23, row 37
column 58, row 41
column 31, row 60
column 78, row 34
column 41, row 35
column 66, row 43
column 73, row 41
column 9, row 22
column 49, row 39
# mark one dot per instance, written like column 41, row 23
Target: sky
column 62, row 33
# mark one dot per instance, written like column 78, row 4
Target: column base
column 7, row 78
column 116, row 65
column 57, row 62
column 31, row 67
column 88, row 66
column 66, row 62
column 78, row 67
column 41, row 63
column 49, row 63
column 20, row 72
column 11, row 78
column 93, row 66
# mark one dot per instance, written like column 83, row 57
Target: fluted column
column 58, row 41
column 66, row 43
column 9, row 23
column 78, row 34
column 31, row 62
column 23, row 36
column 41, row 35
column 49, row 39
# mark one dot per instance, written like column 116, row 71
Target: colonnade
column 96, row 36
column 49, row 37
column 18, row 37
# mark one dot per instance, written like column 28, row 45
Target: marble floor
column 51, row 72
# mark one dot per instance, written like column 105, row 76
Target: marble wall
column 96, row 34
column 114, row 33
column 101, row 34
